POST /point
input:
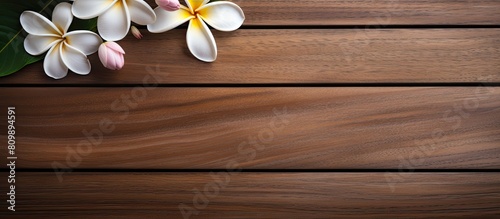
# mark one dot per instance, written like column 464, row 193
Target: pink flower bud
column 137, row 34
column 111, row 55
column 169, row 5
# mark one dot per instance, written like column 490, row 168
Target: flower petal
column 114, row 24
column 62, row 16
column 195, row 4
column 37, row 45
column 112, row 55
column 115, row 47
column 75, row 59
column 87, row 9
column 167, row 20
column 53, row 65
column 37, row 24
column 140, row 12
column 223, row 16
column 200, row 41
column 85, row 41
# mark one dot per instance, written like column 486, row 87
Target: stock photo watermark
column 353, row 48
column 454, row 117
column 247, row 148
column 11, row 120
column 11, row 157
column 94, row 137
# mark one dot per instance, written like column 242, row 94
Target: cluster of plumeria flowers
column 69, row 50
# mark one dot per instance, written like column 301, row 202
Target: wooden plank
column 303, row 56
column 258, row 128
column 256, row 195
column 368, row 12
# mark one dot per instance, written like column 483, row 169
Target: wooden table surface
column 314, row 109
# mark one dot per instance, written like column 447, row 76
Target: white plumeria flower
column 114, row 15
column 66, row 50
column 221, row 15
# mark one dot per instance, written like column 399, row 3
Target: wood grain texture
column 258, row 128
column 302, row 56
column 180, row 135
column 368, row 12
column 257, row 195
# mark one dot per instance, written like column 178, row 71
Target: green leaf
column 78, row 24
column 13, row 57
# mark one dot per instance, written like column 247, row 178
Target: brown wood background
column 314, row 109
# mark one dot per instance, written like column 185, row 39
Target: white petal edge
column 200, row 41
column 141, row 13
column 53, row 65
column 195, row 4
column 87, row 9
column 75, row 59
column 223, row 15
column 37, row 45
column 114, row 24
column 86, row 41
column 167, row 20
column 36, row 24
column 62, row 16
